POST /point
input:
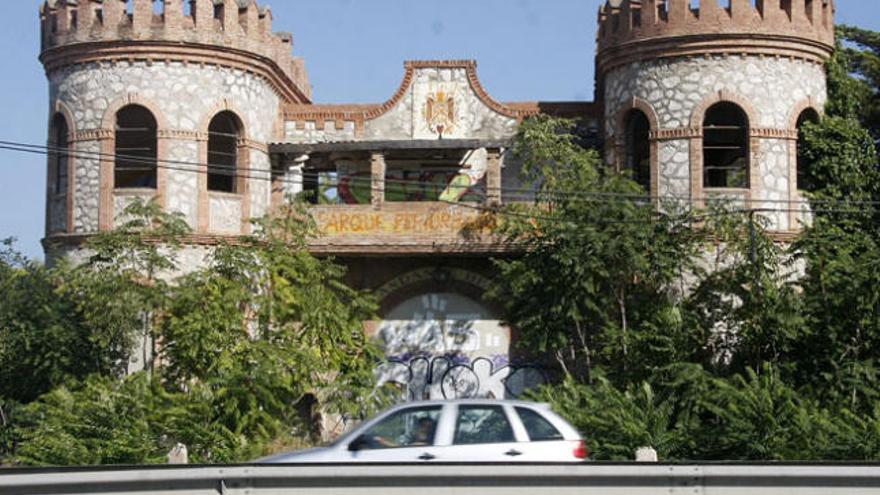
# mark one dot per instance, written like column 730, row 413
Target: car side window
column 538, row 428
column 482, row 424
column 411, row 427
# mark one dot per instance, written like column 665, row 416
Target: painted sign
column 442, row 221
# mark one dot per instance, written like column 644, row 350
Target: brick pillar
column 112, row 11
column 493, row 177
column 173, row 16
column 203, row 10
column 142, row 18
column 377, row 172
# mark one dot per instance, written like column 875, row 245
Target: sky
column 354, row 50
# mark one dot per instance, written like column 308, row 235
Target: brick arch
column 635, row 103
column 66, row 112
column 619, row 140
column 61, row 108
column 106, row 209
column 696, row 142
column 242, row 184
column 809, row 103
column 722, row 96
column 109, row 119
column 795, row 195
column 226, row 105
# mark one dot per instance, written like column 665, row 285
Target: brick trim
column 676, row 133
column 358, row 114
column 619, row 140
column 106, row 207
column 61, row 108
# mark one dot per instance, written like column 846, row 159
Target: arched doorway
column 445, row 345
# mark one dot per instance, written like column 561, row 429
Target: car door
column 546, row 443
column 405, row 435
column 483, row 433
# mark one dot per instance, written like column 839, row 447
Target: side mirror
column 358, row 444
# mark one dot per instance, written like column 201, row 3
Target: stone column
column 294, row 177
column 493, row 177
column 377, row 172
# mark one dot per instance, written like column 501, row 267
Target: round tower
column 175, row 100
column 703, row 99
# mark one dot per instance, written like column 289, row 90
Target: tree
column 43, row 341
column 123, row 289
column 237, row 347
column 595, row 285
column 859, row 55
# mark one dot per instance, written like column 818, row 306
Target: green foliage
column 617, row 421
column 857, row 96
column 43, row 342
column 744, row 309
column 593, row 285
column 231, row 351
column 755, row 352
column 107, row 421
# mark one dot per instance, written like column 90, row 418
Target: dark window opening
column 725, row 147
column 808, row 116
column 136, row 146
column 638, row 148
column 223, row 135
column 59, row 154
column 538, row 428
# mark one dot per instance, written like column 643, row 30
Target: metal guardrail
column 591, row 478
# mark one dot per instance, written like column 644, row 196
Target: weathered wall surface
column 183, row 98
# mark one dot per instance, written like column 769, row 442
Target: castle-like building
column 201, row 105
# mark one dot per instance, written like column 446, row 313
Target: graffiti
column 454, row 377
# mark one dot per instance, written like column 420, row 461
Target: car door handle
column 427, row 457
column 513, row 453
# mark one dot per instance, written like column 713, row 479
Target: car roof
column 484, row 401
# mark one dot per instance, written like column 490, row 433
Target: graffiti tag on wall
column 453, row 378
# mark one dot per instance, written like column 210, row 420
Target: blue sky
column 354, row 51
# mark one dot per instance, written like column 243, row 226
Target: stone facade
column 403, row 187
column 183, row 98
column 771, row 90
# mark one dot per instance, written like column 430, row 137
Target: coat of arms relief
column 439, row 111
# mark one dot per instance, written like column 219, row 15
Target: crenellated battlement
column 166, row 29
column 798, row 28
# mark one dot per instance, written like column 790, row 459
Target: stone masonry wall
column 184, row 97
column 674, row 88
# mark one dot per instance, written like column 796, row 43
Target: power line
column 269, row 175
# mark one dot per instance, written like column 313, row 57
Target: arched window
column 725, row 147
column 58, row 156
column 136, row 146
column 224, row 132
column 638, row 149
column 803, row 179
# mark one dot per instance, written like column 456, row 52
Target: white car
column 469, row 430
